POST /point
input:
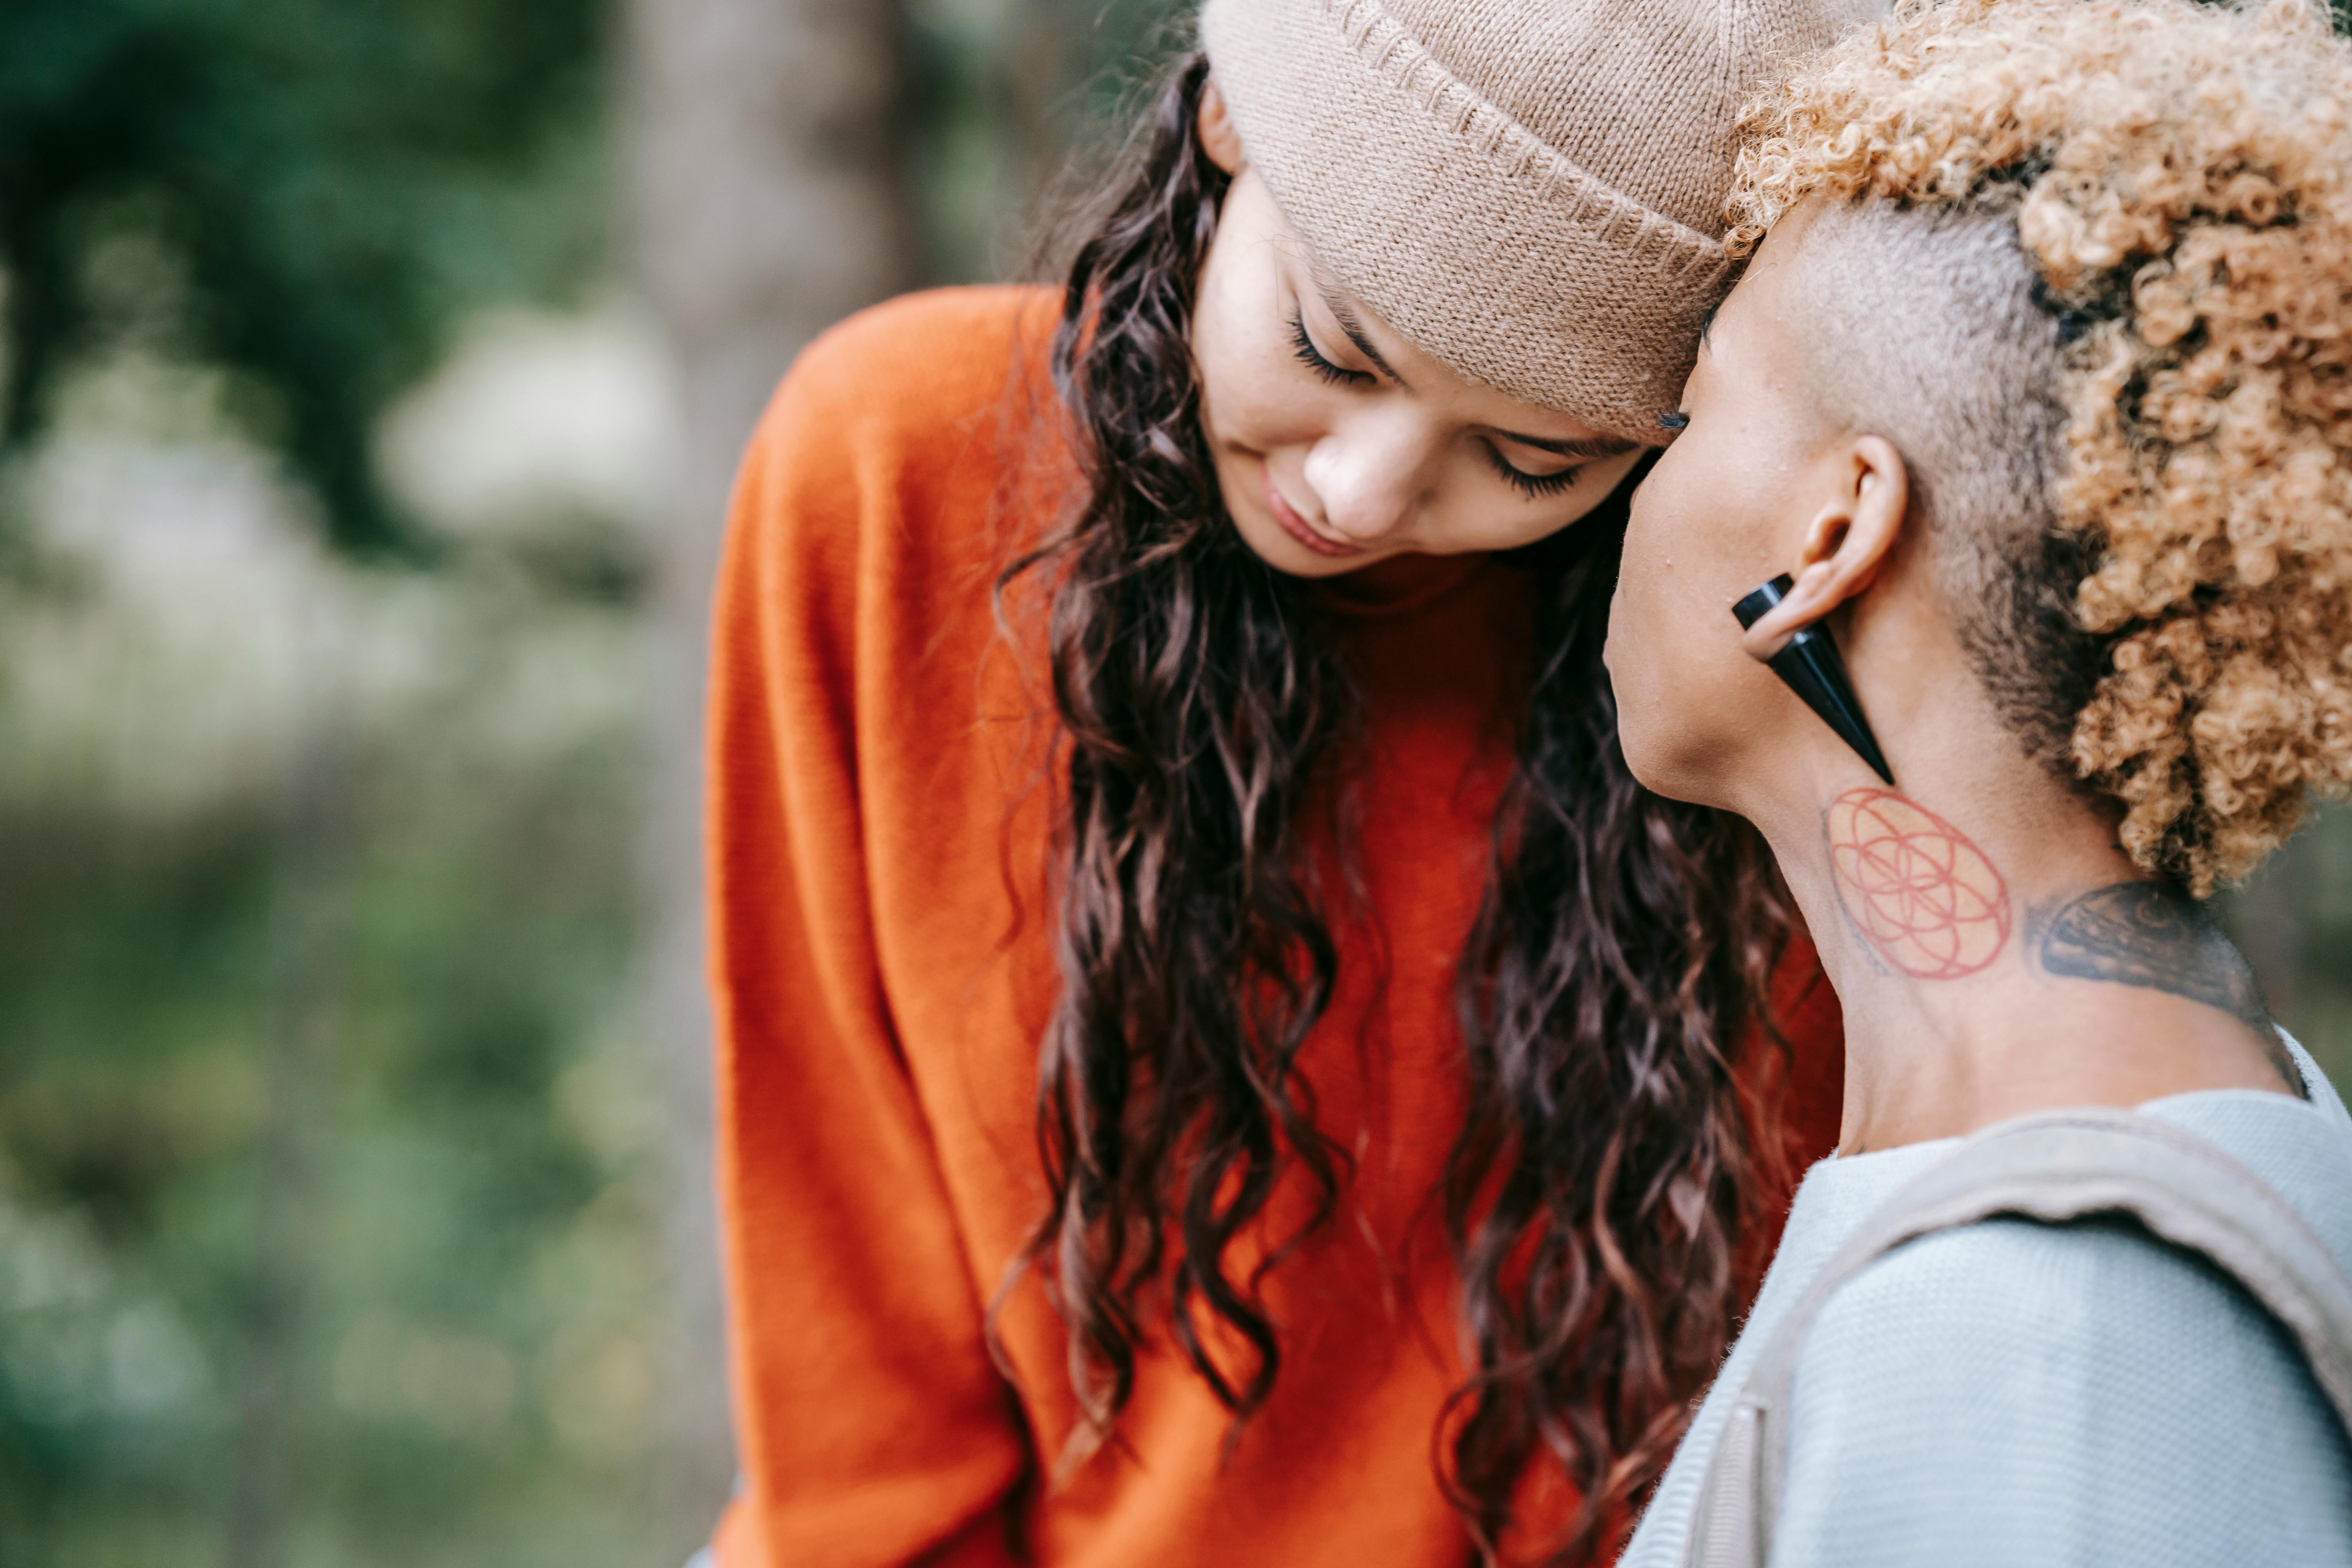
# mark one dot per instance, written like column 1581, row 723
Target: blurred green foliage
column 2294, row 919
column 1014, row 106
column 331, row 1177
column 309, row 192
column 403, row 1159
column 331, row 1185
column 2318, row 1003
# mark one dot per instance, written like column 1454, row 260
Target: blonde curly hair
column 2181, row 180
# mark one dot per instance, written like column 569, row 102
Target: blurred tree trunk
column 767, row 205
column 310, row 939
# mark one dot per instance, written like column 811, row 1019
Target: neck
column 1996, row 954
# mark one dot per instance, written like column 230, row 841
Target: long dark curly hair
column 1619, row 964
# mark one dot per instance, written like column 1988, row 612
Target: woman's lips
column 1296, row 526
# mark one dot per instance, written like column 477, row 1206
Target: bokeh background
column 373, row 373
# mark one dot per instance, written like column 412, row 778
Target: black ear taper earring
column 1811, row 665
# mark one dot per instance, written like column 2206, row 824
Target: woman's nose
column 1369, row 478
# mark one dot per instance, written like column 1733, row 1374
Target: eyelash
column 1312, row 358
column 1535, row 486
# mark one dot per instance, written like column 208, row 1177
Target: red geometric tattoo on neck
column 1927, row 899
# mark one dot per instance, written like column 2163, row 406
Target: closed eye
column 1307, row 354
column 1533, row 486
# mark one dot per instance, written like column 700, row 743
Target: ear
column 1219, row 140
column 1846, row 543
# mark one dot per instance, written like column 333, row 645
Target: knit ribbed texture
column 2047, row 1397
column 1531, row 191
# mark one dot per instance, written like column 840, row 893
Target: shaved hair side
column 1926, row 325
column 2175, row 170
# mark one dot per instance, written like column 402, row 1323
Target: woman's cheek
column 1249, row 403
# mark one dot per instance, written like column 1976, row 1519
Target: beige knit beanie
column 1531, row 191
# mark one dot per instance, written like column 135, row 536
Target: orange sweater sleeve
column 873, row 1427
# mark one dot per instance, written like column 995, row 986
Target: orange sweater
column 882, row 959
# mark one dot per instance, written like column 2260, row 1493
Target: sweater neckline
column 1400, row 584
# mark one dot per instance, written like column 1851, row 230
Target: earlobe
column 1214, row 126
column 1845, row 544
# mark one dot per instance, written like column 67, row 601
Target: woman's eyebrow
column 1355, row 329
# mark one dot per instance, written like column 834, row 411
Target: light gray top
column 2026, row 1395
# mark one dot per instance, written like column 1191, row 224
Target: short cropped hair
column 1924, row 324
column 2173, row 596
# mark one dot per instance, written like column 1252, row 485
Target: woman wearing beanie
column 1219, row 1062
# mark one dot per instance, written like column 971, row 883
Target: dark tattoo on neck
column 2147, row 933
